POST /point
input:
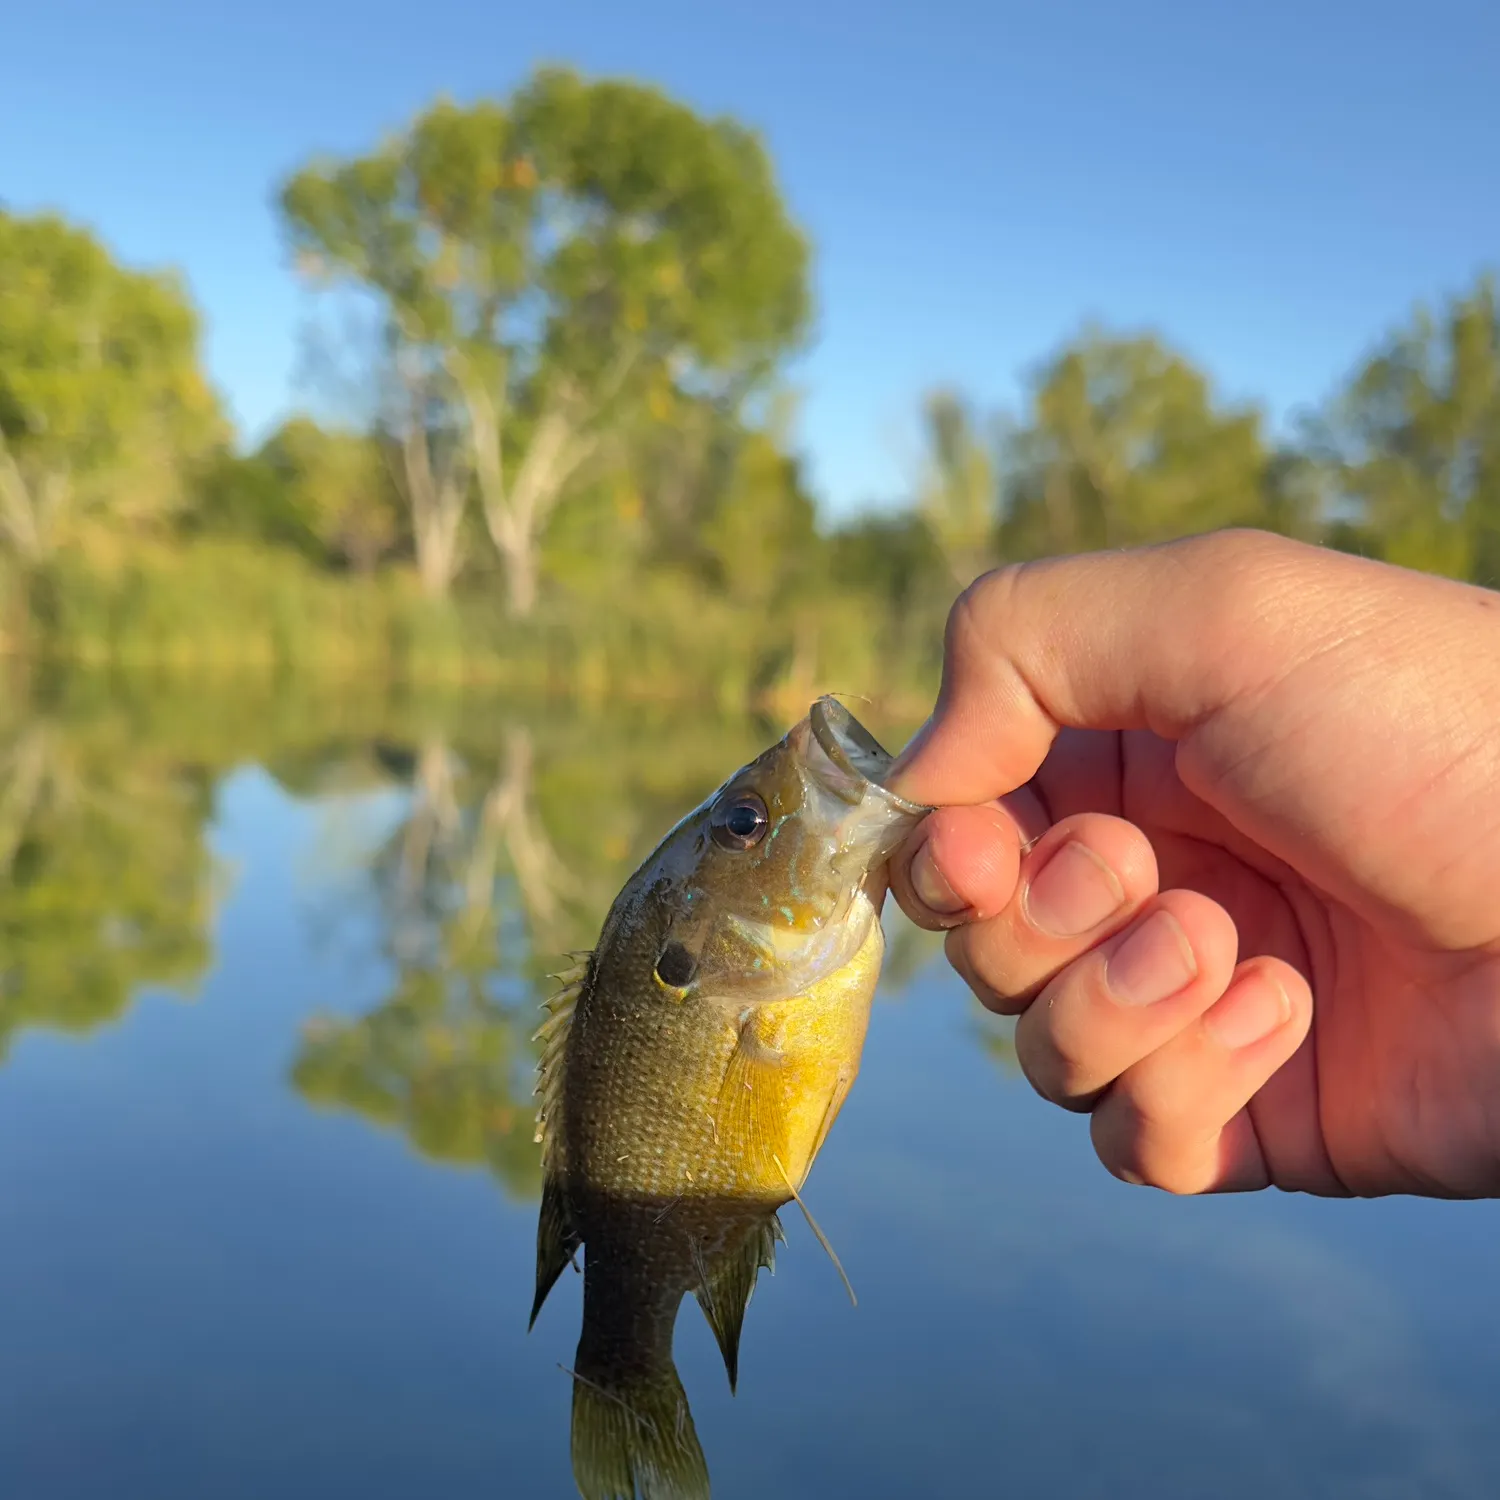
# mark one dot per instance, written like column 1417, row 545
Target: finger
column 959, row 865
column 1180, row 1118
column 1152, row 638
column 1085, row 879
column 1127, row 998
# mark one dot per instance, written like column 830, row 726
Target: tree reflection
column 468, row 887
column 508, row 851
column 106, row 882
column 511, row 843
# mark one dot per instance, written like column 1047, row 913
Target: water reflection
column 505, row 857
column 106, row 884
column 468, row 879
column 226, row 1271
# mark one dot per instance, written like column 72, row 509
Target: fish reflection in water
column 693, row 1065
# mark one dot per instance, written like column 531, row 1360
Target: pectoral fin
column 841, row 1087
column 750, row 1117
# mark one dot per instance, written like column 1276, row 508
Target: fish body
column 692, row 1068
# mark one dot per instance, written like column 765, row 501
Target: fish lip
column 856, row 752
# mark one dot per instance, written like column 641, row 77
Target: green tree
column 760, row 530
column 103, row 404
column 340, row 487
column 1414, row 443
column 242, row 495
column 893, row 561
column 958, row 495
column 1122, row 443
column 543, row 266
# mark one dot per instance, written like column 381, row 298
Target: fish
column 691, row 1068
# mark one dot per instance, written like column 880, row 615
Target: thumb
column 1159, row 638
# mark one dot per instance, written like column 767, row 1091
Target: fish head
column 772, row 884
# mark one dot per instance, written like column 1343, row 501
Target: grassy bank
column 230, row 611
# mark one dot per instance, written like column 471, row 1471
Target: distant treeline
column 555, row 330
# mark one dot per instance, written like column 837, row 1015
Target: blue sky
column 1270, row 185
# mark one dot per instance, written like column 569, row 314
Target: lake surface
column 268, row 968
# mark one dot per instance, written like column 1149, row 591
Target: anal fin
column 726, row 1286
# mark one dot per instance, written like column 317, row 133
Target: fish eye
column 740, row 822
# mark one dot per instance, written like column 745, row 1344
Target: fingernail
column 1249, row 1013
column 1072, row 893
column 1155, row 961
column 932, row 889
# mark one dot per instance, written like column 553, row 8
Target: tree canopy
column 542, row 266
column 1123, row 443
column 1414, row 442
column 103, row 404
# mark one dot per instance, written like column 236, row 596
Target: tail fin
column 636, row 1437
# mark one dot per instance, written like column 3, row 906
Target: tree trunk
column 437, row 508
column 516, row 514
column 516, row 511
column 437, row 556
column 521, row 578
column 30, row 512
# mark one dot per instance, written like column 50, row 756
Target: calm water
column 267, row 971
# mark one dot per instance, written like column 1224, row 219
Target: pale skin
column 1219, row 821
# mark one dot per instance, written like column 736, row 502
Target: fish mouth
column 860, row 761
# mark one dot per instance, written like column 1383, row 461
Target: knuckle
column 1248, row 571
column 1056, row 1066
column 977, row 611
column 956, row 950
column 1147, row 1153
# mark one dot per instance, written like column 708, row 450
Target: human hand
column 1220, row 821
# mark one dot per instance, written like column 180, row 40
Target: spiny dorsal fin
column 553, row 1035
column 726, row 1286
column 556, row 1243
column 556, row 1238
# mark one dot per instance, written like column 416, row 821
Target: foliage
column 340, row 487
column 103, row 407
column 582, row 295
column 958, row 496
column 543, row 267
column 1414, row 443
column 1122, row 444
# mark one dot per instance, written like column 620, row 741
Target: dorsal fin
column 553, row 1035
column 726, row 1286
column 556, row 1238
